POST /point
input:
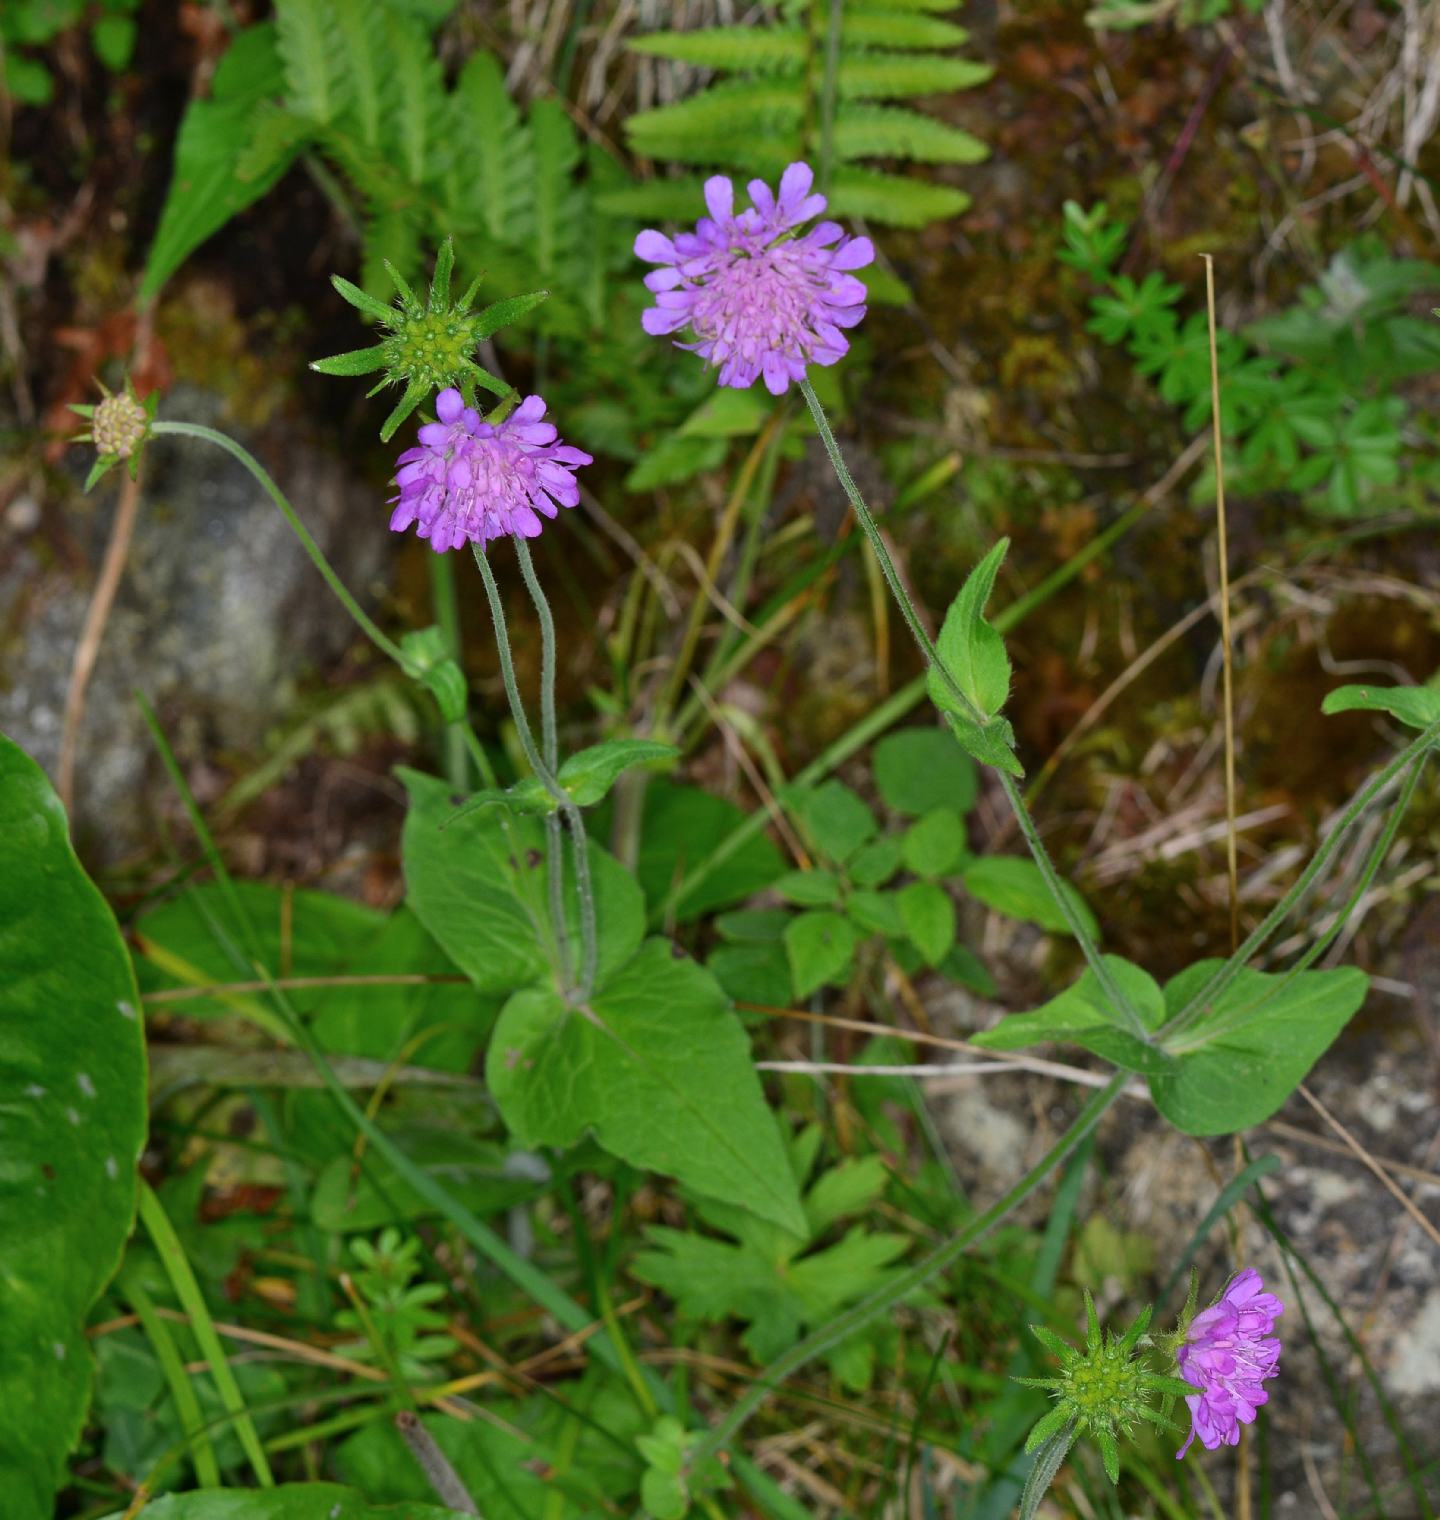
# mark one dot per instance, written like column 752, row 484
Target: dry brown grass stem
column 1362, row 1155
column 92, row 634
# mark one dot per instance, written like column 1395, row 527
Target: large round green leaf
column 72, row 1123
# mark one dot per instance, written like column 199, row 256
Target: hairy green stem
column 573, row 820
column 447, row 619
column 1089, row 948
column 1270, row 926
column 842, row 1325
column 550, row 748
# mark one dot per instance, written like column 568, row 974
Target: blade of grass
column 1230, row 1195
column 527, row 1277
column 187, row 1290
column 187, row 1406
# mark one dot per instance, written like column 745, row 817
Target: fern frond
column 277, row 136
column 761, row 49
column 494, row 183
column 656, row 200
column 557, row 155
column 358, row 22
column 315, row 81
column 392, row 237
column 898, row 76
column 765, row 153
column 890, row 29
column 892, row 200
column 738, row 109
column 869, row 131
column 416, row 106
column 875, row 7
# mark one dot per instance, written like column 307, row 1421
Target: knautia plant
column 610, row 1051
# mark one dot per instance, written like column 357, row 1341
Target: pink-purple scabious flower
column 473, row 480
column 762, row 299
column 1229, row 1353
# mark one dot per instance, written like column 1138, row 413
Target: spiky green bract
column 428, row 346
column 119, row 426
column 1104, row 1389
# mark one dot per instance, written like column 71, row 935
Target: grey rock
column 218, row 614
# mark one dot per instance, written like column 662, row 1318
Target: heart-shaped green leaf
column 820, row 947
column 1082, row 1015
column 659, row 1067
column 477, row 883
column 1253, row 1047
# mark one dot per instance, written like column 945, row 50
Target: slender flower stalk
column 549, row 748
column 573, row 820
column 927, row 648
column 317, row 557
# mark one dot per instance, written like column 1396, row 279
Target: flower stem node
column 119, row 426
column 428, row 345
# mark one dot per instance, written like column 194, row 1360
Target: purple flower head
column 1229, row 1353
column 762, row 298
column 470, row 480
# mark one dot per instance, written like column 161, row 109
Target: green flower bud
column 1103, row 1390
column 428, row 346
column 119, row 426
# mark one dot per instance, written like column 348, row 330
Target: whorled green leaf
column 658, row 1066
column 935, row 845
column 72, row 1125
column 876, row 913
column 1417, row 706
column 833, row 817
column 809, row 889
column 1253, row 1047
column 477, row 883
column 289, row 1501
